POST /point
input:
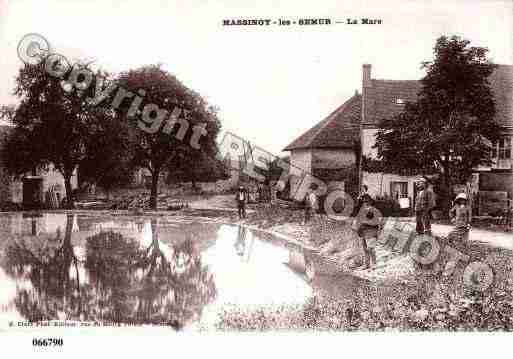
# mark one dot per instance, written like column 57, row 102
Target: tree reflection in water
column 52, row 270
column 117, row 282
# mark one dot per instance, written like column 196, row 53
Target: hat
column 461, row 196
column 366, row 198
column 425, row 179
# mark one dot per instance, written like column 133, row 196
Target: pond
column 178, row 272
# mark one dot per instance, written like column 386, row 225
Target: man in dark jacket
column 241, row 196
column 311, row 203
column 423, row 206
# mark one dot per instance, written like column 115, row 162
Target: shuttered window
column 505, row 148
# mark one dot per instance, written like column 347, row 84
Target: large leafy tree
column 108, row 161
column 53, row 123
column 449, row 128
column 158, row 145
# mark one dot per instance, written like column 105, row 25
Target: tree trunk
column 154, row 188
column 69, row 190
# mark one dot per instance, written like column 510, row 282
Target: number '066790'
column 47, row 342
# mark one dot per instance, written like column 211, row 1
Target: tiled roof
column 501, row 82
column 380, row 99
column 339, row 130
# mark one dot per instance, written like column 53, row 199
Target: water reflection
column 257, row 278
column 135, row 269
column 34, row 224
column 111, row 278
column 244, row 245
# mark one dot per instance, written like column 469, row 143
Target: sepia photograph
column 275, row 177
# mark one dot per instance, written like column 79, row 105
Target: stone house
column 329, row 150
column 384, row 99
column 338, row 141
column 499, row 177
column 12, row 189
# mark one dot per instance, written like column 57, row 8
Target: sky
column 270, row 84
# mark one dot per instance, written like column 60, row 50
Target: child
column 461, row 216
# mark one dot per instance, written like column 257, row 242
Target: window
column 494, row 149
column 399, row 101
column 505, row 148
column 502, row 149
column 399, row 189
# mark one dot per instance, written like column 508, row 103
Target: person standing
column 461, row 215
column 241, row 197
column 359, row 201
column 310, row 205
column 366, row 226
column 431, row 204
column 423, row 207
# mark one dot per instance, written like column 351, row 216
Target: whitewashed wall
column 368, row 140
column 379, row 183
column 300, row 161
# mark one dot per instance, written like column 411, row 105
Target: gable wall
column 333, row 158
column 300, row 162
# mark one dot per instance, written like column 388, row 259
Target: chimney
column 366, row 76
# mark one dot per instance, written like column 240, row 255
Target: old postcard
column 174, row 174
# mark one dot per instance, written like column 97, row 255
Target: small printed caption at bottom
column 24, row 324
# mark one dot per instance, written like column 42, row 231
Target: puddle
column 175, row 272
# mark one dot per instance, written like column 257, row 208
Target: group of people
column 366, row 226
column 242, row 197
column 460, row 214
column 310, row 203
